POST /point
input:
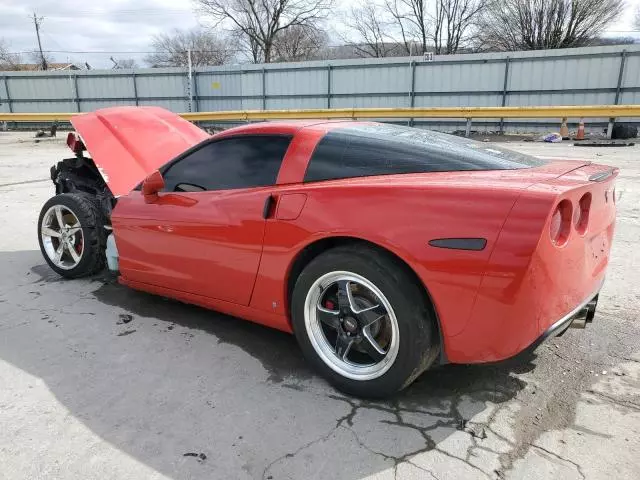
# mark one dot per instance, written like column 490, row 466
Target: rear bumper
column 579, row 317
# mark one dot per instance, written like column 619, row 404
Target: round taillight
column 560, row 226
column 582, row 214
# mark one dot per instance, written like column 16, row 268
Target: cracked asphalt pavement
column 101, row 382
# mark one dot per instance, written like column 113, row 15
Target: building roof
column 35, row 67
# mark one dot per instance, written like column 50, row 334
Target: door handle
column 268, row 206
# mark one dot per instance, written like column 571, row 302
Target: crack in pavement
column 423, row 469
column 630, row 404
column 555, row 455
column 452, row 419
column 24, row 182
column 348, row 417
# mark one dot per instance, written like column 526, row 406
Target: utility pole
column 36, row 22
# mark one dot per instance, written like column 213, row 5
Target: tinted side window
column 240, row 162
column 388, row 149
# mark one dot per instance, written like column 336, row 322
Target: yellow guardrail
column 604, row 111
column 591, row 111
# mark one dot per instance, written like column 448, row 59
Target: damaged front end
column 114, row 150
column 79, row 174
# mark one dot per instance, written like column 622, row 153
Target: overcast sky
column 123, row 28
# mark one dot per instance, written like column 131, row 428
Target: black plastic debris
column 124, row 318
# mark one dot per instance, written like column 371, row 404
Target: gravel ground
column 101, row 382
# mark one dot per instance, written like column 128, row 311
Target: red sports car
column 383, row 248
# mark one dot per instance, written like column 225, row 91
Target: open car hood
column 129, row 143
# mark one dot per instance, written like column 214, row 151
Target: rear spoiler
column 602, row 176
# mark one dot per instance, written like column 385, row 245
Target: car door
column 204, row 233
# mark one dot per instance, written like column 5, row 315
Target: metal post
column 264, row 89
column 135, row 89
column 196, row 107
column 189, row 79
column 75, row 92
column 412, row 93
column 6, row 89
column 610, row 128
column 328, row 86
column 504, row 89
column 467, row 131
column 623, row 58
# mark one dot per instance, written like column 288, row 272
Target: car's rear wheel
column 363, row 321
column 71, row 237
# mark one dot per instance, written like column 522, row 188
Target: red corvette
column 383, row 248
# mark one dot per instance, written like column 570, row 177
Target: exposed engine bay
column 79, row 174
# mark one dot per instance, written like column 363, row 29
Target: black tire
column 88, row 212
column 418, row 344
column 623, row 131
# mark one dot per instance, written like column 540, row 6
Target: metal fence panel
column 161, row 86
column 560, row 98
column 44, row 107
column 300, row 82
column 41, row 87
column 378, row 79
column 214, row 104
column 581, row 76
column 631, row 76
column 105, row 87
column 251, row 83
column 177, row 106
column 210, row 84
column 370, row 101
column 89, row 105
column 444, row 100
column 458, row 77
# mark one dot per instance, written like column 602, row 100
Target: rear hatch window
column 382, row 149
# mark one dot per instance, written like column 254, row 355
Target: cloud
column 114, row 26
column 75, row 25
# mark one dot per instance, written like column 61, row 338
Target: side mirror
column 151, row 186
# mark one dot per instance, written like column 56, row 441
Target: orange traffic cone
column 580, row 134
column 564, row 130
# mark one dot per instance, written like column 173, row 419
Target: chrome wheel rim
column 62, row 237
column 351, row 325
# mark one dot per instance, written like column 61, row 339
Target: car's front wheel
column 363, row 321
column 71, row 237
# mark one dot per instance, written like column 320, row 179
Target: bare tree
column 300, row 42
column 247, row 44
column 171, row 50
column 372, row 30
column 636, row 21
column 8, row 60
column 612, row 41
column 36, row 58
column 542, row 24
column 124, row 63
column 411, row 19
column 260, row 21
column 445, row 24
column 452, row 22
